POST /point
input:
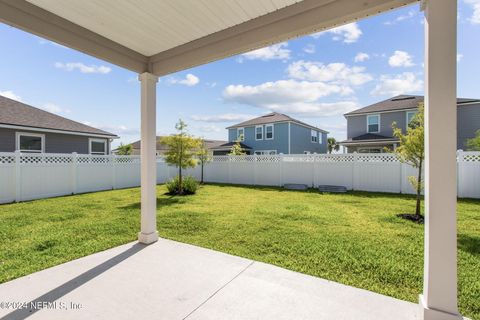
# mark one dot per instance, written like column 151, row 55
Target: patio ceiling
column 165, row 36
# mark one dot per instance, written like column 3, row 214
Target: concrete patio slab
column 171, row 280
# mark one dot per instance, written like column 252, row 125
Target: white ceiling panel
column 150, row 27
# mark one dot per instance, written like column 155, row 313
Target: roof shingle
column 16, row 113
column 401, row 102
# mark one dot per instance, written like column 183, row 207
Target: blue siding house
column 275, row 133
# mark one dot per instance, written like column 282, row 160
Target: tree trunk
column 180, row 183
column 201, row 176
column 419, row 188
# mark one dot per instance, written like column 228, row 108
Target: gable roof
column 160, row 146
column 272, row 118
column 15, row 113
column 401, row 102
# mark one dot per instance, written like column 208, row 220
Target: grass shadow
column 468, row 243
column 161, row 202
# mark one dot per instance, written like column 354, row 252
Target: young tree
column 124, row 149
column 332, row 145
column 474, row 143
column 181, row 150
column 204, row 156
column 412, row 150
column 237, row 149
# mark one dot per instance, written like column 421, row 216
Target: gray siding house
column 369, row 129
column 275, row 133
column 29, row 129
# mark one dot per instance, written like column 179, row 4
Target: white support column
column 439, row 299
column 148, row 233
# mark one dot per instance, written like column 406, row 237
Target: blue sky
column 316, row 78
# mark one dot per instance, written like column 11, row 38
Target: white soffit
column 153, row 26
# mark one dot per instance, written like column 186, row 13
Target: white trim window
column 320, row 137
column 97, row 146
column 265, row 152
column 258, row 132
column 241, row 134
column 313, row 136
column 269, row 132
column 409, row 117
column 30, row 142
column 373, row 123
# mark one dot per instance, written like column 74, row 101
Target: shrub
column 190, row 185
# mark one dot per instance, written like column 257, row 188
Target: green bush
column 190, row 185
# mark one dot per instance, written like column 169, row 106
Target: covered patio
column 156, row 38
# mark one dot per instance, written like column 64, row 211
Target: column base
column 427, row 313
column 148, row 238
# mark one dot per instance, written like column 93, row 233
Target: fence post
column 255, row 160
column 114, row 180
column 354, row 169
column 459, row 173
column 314, row 170
column 18, row 178
column 282, row 160
column 401, row 175
column 74, row 172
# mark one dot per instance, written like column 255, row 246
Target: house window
column 314, row 137
column 269, row 132
column 265, row 152
column 410, row 115
column 373, row 123
column 98, row 146
column 259, row 133
column 30, row 142
column 320, row 137
column 241, row 134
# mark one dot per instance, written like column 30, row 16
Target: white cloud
column 309, row 48
column 459, row 57
column 210, row 128
column 275, row 52
column 361, row 56
column 338, row 73
column 348, row 33
column 71, row 66
column 53, row 108
column 116, row 129
column 409, row 15
column 475, row 18
column 403, row 83
column 189, row 80
column 400, row 59
column 290, row 96
column 226, row 117
column 9, row 94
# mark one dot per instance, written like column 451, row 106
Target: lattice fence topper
column 333, row 158
column 127, row 159
column 470, row 157
column 50, row 158
column 7, row 158
column 381, row 157
column 93, row 159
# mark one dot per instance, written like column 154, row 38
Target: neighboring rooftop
column 272, row 118
column 15, row 113
column 401, row 102
column 160, row 146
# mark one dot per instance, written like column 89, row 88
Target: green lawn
column 353, row 238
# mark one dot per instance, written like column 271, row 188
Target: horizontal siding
column 54, row 142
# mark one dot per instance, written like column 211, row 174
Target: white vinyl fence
column 34, row 176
